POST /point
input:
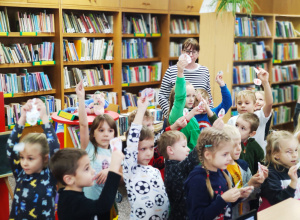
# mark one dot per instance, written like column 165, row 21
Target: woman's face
column 192, row 53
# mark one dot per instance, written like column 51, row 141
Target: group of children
column 210, row 172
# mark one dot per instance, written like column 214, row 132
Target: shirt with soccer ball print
column 145, row 188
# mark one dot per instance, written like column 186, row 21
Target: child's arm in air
column 83, row 120
column 263, row 75
column 226, row 96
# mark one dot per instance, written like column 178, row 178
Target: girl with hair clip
column 96, row 143
column 216, row 197
column 35, row 185
column 281, row 159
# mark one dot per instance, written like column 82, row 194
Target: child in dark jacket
column 208, row 188
column 281, row 159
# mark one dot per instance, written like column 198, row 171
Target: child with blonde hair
column 241, row 174
column 246, row 103
column 281, row 159
column 35, row 185
column 208, row 188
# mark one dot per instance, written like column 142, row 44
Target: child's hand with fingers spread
column 41, row 107
column 102, row 176
column 181, row 64
column 219, row 80
column 263, row 75
column 294, row 176
column 80, row 90
column 265, row 171
column 193, row 112
column 256, row 180
column 231, row 195
column 179, row 123
column 24, row 109
column 143, row 103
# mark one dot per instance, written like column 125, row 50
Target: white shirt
column 145, row 188
column 260, row 132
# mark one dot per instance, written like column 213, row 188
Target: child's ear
column 69, row 179
column 207, row 155
column 170, row 150
column 46, row 159
column 252, row 133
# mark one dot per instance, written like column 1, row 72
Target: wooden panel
column 13, row 1
column 195, row 5
column 107, row 3
column 76, row 2
column 145, row 4
column 265, row 6
column 44, row 1
column 207, row 45
column 179, row 5
column 286, row 7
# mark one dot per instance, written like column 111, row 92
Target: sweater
column 226, row 103
column 198, row 77
column 276, row 187
column 145, row 188
column 74, row 205
column 34, row 194
column 199, row 203
column 191, row 131
column 252, row 154
column 176, row 173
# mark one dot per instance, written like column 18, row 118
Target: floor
column 124, row 207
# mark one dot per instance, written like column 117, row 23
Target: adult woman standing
column 196, row 74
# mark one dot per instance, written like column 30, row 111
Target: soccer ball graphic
column 159, row 200
column 140, row 213
column 142, row 187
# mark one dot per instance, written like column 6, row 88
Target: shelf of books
column 29, row 59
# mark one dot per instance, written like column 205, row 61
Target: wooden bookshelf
column 28, row 94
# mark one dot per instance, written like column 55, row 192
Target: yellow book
column 77, row 44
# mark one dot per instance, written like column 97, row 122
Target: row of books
column 175, row 49
column 88, row 49
column 4, row 21
column 285, row 73
column 96, row 76
column 184, row 26
column 26, row 82
column 13, row 110
column 142, row 73
column 136, row 48
column 246, row 73
column 285, row 94
column 90, row 23
column 286, row 29
column 31, row 22
column 71, row 100
column 22, row 53
column 236, row 90
column 251, row 27
column 138, row 24
column 249, row 51
column 281, row 114
column 129, row 99
column 285, row 51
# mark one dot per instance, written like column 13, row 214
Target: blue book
column 43, row 80
column 48, row 82
column 30, row 85
column 235, row 76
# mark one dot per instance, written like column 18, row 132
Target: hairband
column 208, row 145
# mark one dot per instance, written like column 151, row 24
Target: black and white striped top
column 198, row 77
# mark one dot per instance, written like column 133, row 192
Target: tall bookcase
column 217, row 43
column 165, row 10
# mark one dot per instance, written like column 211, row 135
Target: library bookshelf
column 217, row 43
column 164, row 10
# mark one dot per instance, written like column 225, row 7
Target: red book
column 88, row 18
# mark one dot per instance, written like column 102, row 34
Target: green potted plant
column 235, row 6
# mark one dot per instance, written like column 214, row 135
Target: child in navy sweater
column 208, row 188
column 281, row 159
column 35, row 185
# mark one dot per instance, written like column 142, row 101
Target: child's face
column 85, row 174
column 148, row 122
column 145, row 151
column 260, row 101
column 237, row 149
column 190, row 96
column 245, row 104
column 103, row 134
column 288, row 154
column 244, row 128
column 180, row 150
column 31, row 159
column 220, row 158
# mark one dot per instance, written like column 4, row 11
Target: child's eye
column 87, row 168
column 111, row 130
column 30, row 158
column 21, row 157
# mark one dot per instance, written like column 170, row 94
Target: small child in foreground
column 35, row 185
column 71, row 167
column 281, row 159
column 208, row 188
column 145, row 187
column 179, row 163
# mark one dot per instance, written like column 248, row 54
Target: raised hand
column 80, row 90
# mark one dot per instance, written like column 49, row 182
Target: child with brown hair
column 96, row 143
column 35, row 185
column 281, row 159
column 216, row 197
